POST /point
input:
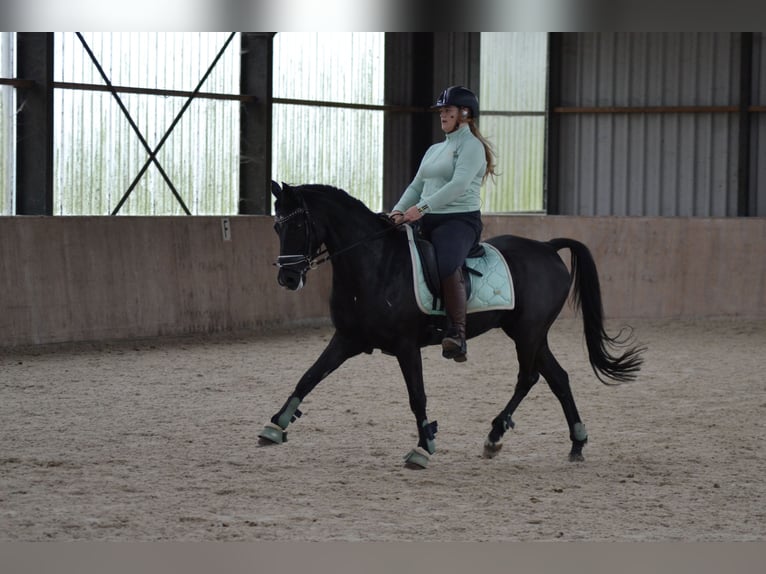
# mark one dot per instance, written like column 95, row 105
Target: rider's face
column 449, row 118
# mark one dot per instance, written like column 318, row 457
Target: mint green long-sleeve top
column 449, row 177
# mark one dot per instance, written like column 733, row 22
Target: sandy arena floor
column 158, row 441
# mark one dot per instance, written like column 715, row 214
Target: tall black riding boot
column 453, row 343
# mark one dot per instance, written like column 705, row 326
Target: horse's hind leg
column 338, row 350
column 527, row 378
column 558, row 381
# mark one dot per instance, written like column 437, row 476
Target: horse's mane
column 336, row 196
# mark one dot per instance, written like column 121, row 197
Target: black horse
column 373, row 306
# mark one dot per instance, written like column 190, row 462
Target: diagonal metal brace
column 152, row 153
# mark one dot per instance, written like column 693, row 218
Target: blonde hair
column 489, row 151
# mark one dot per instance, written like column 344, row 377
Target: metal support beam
column 419, row 65
column 457, row 61
column 744, row 203
column 34, row 128
column 256, row 79
column 407, row 135
column 551, row 189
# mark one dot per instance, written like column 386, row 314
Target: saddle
column 427, row 254
column 487, row 277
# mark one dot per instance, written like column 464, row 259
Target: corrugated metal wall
column 512, row 96
column 650, row 163
column 97, row 155
column 7, row 99
column 330, row 145
column 669, row 164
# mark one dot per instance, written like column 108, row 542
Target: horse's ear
column 276, row 191
column 290, row 194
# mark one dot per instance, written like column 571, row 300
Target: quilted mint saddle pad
column 491, row 283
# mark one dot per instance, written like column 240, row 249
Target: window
column 513, row 102
column 338, row 144
column 7, row 124
column 97, row 155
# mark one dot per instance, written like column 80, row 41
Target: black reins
column 314, row 261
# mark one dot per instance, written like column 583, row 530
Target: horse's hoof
column 417, row 459
column 492, row 448
column 576, row 457
column 272, row 434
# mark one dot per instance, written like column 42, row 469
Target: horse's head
column 297, row 239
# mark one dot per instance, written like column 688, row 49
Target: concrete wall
column 90, row 278
column 93, row 278
column 653, row 267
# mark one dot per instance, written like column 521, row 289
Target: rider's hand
column 397, row 217
column 412, row 214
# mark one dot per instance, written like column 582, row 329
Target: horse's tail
column 603, row 350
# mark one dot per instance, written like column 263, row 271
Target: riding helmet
column 459, row 96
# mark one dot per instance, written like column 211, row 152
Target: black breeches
column 453, row 235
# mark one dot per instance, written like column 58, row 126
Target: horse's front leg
column 411, row 363
column 338, row 350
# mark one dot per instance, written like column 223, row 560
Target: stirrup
column 454, row 348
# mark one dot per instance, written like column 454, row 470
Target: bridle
column 310, row 262
column 289, row 261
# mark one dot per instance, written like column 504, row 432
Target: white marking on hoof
column 417, row 458
column 271, row 434
column 491, row 448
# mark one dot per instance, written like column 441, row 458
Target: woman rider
column 444, row 197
